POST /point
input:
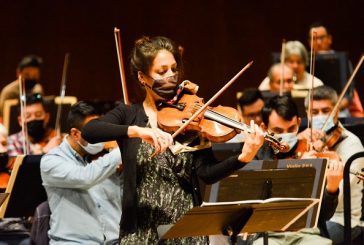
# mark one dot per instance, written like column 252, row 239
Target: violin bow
column 62, row 94
column 22, row 101
column 212, row 99
column 348, row 83
column 121, row 65
column 283, row 56
column 310, row 91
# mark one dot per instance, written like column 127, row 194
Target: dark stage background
column 219, row 38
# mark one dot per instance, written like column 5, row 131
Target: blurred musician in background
column 296, row 57
column 345, row 144
column 351, row 104
column 273, row 80
column 29, row 69
column 250, row 105
column 41, row 137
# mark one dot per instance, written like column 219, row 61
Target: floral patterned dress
column 163, row 196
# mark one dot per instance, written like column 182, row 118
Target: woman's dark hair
column 147, row 48
column 283, row 105
column 78, row 113
column 141, row 59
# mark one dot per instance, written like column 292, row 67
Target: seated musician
column 345, row 144
column 322, row 44
column 83, row 194
column 29, row 69
column 41, row 137
column 273, row 81
column 280, row 116
column 296, row 57
column 250, row 105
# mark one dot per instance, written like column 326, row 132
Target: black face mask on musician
column 36, row 129
column 30, row 83
column 165, row 87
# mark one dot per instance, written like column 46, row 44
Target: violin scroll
column 276, row 144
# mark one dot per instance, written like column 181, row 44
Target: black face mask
column 36, row 129
column 165, row 87
column 30, row 83
column 4, row 158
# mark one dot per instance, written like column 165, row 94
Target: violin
column 217, row 124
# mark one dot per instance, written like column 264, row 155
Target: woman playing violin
column 159, row 190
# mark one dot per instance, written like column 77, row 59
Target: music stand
column 333, row 69
column 233, row 218
column 25, row 188
column 302, row 178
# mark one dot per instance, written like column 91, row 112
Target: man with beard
column 29, row 69
column 41, row 138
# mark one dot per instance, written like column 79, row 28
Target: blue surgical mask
column 93, row 149
column 319, row 121
column 289, row 138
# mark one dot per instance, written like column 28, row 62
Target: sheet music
column 269, row 200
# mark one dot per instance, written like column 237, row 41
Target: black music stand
column 233, row 218
column 303, row 178
column 333, row 68
column 25, row 188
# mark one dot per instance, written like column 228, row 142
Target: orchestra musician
column 160, row 189
column 29, row 69
column 83, row 193
column 296, row 57
column 250, row 105
column 275, row 73
column 280, row 116
column 322, row 44
column 338, row 139
column 40, row 137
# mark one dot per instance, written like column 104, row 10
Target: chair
column 347, row 203
column 40, row 226
column 25, row 188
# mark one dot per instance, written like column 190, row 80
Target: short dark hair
column 31, row 99
column 30, row 61
column 78, row 113
column 250, row 95
column 322, row 92
column 317, row 24
column 284, row 106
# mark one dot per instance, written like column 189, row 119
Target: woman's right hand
column 154, row 136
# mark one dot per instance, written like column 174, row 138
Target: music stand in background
column 25, row 188
column 333, row 69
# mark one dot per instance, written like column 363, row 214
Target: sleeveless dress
column 163, row 195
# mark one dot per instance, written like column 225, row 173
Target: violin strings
column 237, row 124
